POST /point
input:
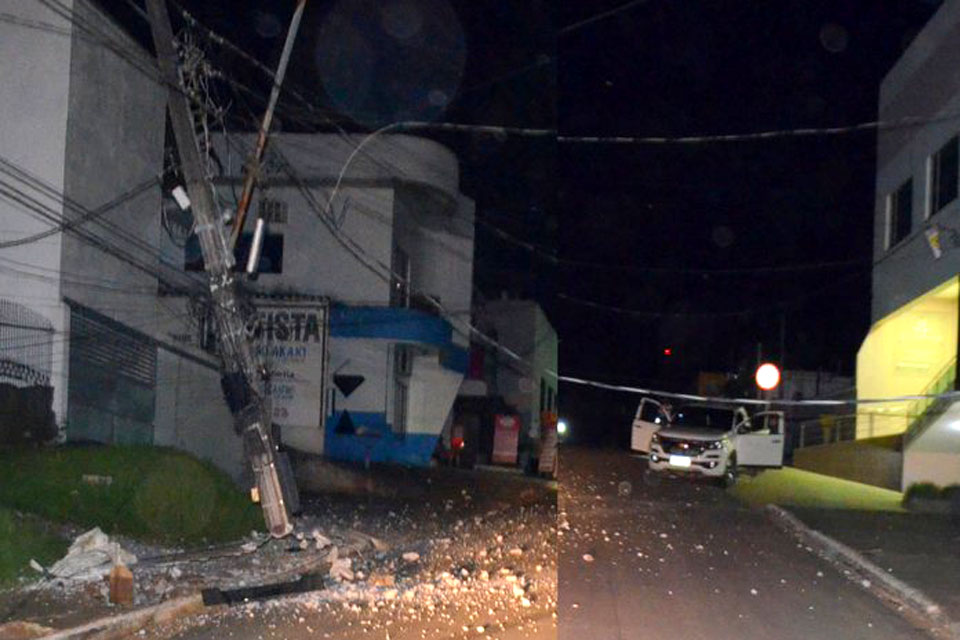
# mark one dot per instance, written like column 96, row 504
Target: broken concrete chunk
column 340, row 569
column 91, row 556
column 383, row 580
column 321, row 540
column 411, row 556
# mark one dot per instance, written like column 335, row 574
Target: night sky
column 700, row 68
column 641, row 228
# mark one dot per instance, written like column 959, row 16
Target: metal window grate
column 99, row 343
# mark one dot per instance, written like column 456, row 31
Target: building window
column 273, row 211
column 899, row 213
column 551, row 400
column 400, row 394
column 543, row 395
column 402, row 368
column 945, row 171
column 271, row 254
column 400, row 279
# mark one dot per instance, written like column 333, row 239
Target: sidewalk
column 922, row 550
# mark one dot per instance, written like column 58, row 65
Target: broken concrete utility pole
column 243, row 371
column 253, row 162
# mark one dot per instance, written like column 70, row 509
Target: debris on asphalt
column 321, row 541
column 90, row 557
column 305, row 583
column 23, row 630
column 488, row 562
column 340, row 568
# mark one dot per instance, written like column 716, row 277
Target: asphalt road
column 673, row 558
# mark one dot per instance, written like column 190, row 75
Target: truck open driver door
column 760, row 442
column 651, row 416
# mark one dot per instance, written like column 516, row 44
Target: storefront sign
column 506, row 437
column 291, row 341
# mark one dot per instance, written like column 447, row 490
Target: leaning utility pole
column 244, row 374
column 253, row 162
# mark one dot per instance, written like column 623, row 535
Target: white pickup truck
column 708, row 440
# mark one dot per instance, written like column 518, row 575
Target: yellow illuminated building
column 912, row 351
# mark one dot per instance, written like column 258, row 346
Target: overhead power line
column 87, row 217
column 688, row 397
column 617, row 140
column 747, row 311
column 600, row 16
column 554, row 259
column 803, row 132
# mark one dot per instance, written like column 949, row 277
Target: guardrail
column 929, row 409
column 916, row 416
column 826, row 429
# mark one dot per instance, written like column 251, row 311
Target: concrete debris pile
column 91, row 556
column 445, row 559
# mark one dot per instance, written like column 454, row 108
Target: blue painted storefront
column 373, row 437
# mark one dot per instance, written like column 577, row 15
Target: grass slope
column 157, row 495
column 21, row 539
column 795, row 487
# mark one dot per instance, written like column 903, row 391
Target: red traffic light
column 668, row 352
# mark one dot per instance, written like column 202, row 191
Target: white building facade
column 102, row 290
column 912, row 345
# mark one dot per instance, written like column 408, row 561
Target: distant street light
column 561, row 427
column 768, row 376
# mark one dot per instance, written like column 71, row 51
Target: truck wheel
column 729, row 477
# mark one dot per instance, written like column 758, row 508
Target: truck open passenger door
column 650, row 418
column 760, row 441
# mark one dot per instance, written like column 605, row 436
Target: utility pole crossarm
column 240, row 358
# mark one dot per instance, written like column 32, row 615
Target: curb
column 890, row 588
column 126, row 623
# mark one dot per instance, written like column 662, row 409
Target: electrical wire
column 16, row 194
column 377, row 266
column 600, row 16
column 740, row 313
column 87, row 217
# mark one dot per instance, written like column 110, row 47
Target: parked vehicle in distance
column 710, row 440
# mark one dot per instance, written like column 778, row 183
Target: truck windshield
column 704, row 417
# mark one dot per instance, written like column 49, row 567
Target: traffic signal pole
column 240, row 359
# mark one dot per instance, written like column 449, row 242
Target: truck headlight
column 716, row 444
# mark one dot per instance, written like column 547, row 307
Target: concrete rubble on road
column 471, row 558
column 91, row 556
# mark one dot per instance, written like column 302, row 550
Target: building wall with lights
column 106, row 309
column 388, row 262
column 911, row 348
column 530, row 387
